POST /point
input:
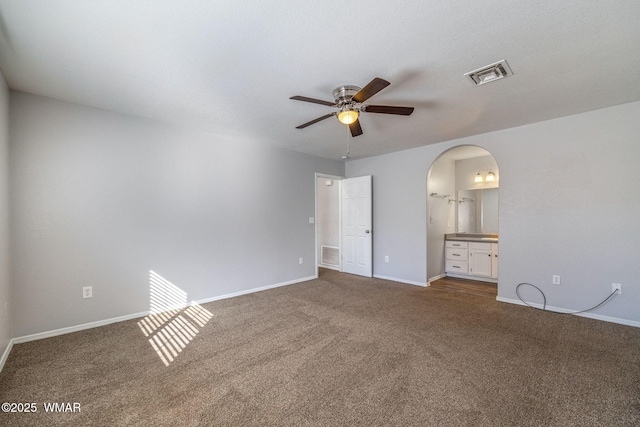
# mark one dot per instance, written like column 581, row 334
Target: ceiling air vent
column 489, row 73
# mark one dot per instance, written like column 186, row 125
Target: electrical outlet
column 87, row 292
column 386, row 258
column 300, row 260
column 556, row 279
column 616, row 287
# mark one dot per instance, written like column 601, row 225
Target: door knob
column 366, row 231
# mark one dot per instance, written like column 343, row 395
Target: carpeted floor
column 336, row 351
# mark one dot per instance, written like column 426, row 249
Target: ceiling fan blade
column 315, row 101
column 374, row 86
column 326, row 116
column 388, row 109
column 355, row 128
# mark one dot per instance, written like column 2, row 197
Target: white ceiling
column 229, row 67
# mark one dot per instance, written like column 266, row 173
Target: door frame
column 317, row 176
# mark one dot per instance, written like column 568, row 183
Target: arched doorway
column 462, row 199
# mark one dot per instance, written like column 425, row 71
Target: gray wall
column 5, row 290
column 101, row 199
column 569, row 203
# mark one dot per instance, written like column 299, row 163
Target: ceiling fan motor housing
column 343, row 95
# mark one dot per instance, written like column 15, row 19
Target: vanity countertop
column 472, row 237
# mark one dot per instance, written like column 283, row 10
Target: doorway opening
column 462, row 206
column 344, row 224
column 328, row 254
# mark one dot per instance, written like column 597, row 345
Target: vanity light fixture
column 490, row 177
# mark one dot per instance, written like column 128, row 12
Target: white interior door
column 356, row 229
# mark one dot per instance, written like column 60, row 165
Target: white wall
column 5, row 290
column 569, row 203
column 100, row 199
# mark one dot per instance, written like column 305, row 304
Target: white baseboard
column 82, row 327
column 408, row 282
column 253, row 290
column 433, row 279
column 329, row 267
column 567, row 311
column 70, row 329
column 476, row 278
column 5, row 355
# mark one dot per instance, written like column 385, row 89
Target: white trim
column 76, row 328
column 567, row 311
column 408, row 282
column 70, row 329
column 438, row 277
column 329, row 267
column 476, row 278
column 5, row 355
column 250, row 291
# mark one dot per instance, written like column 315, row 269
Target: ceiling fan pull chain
column 348, row 143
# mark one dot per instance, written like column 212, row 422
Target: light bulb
column 347, row 116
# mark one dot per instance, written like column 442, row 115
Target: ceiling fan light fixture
column 348, row 116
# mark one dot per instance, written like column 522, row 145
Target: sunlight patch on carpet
column 172, row 323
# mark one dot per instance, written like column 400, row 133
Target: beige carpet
column 340, row 350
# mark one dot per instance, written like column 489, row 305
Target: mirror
column 477, row 211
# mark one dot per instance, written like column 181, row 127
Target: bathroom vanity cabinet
column 473, row 258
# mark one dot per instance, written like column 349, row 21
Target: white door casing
column 356, row 231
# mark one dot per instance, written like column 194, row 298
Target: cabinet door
column 480, row 263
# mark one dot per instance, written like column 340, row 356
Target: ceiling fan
column 349, row 100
